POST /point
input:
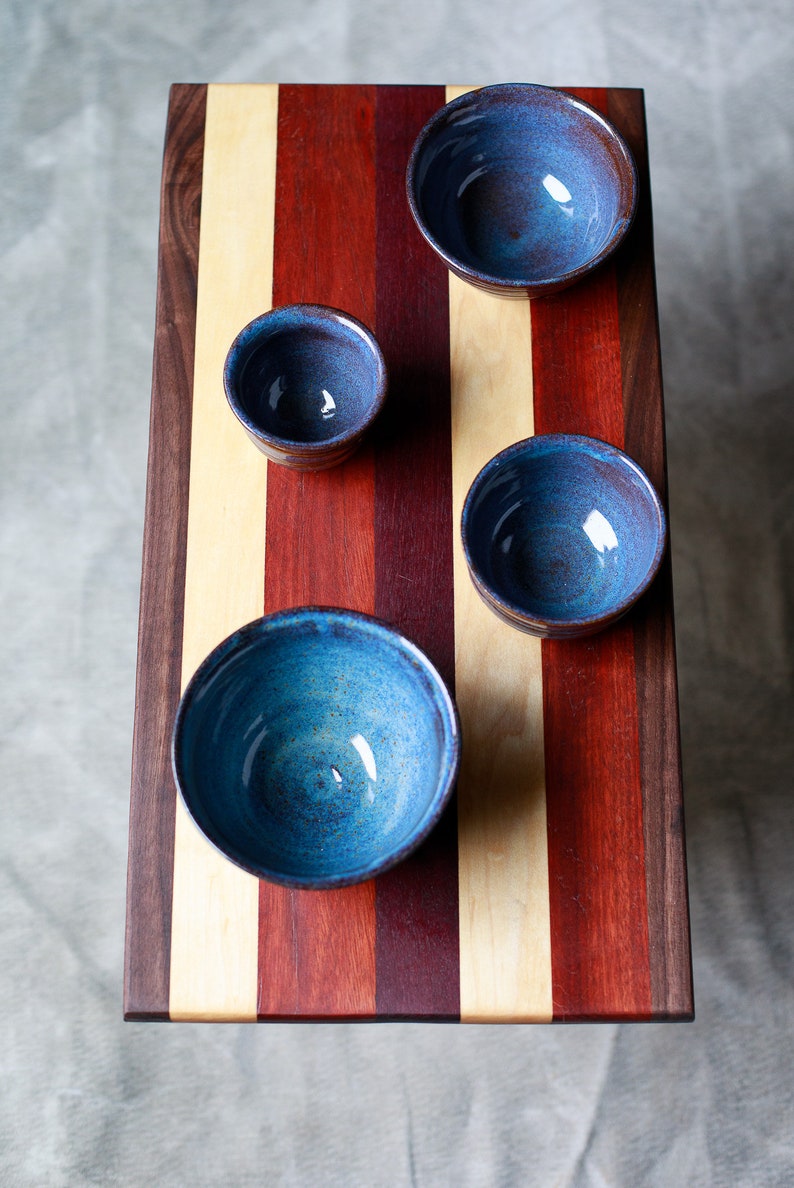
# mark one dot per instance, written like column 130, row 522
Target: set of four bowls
column 317, row 747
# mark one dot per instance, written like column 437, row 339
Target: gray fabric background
column 87, row 1099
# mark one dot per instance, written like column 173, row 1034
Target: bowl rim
column 259, row 628
column 312, row 313
column 573, row 625
column 497, row 92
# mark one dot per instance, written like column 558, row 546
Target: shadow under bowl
column 316, row 747
column 562, row 534
column 521, row 189
column 306, row 382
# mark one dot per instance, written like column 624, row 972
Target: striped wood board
column 555, row 887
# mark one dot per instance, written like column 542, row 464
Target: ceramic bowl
column 521, row 188
column 306, row 382
column 316, row 747
column 562, row 534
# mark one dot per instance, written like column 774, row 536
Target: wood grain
column 317, row 948
column 654, row 636
column 215, row 904
column 417, row 902
column 596, row 841
column 152, row 801
column 556, row 886
column 503, row 867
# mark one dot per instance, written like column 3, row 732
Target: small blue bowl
column 306, row 382
column 521, row 189
column 562, row 534
column 316, row 747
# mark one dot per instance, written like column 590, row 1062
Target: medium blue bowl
column 306, row 382
column 562, row 534
column 521, row 188
column 316, row 747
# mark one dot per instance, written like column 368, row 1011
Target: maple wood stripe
column 505, row 959
column 152, row 804
column 214, row 913
column 599, row 922
column 316, row 948
column 654, row 640
column 416, row 903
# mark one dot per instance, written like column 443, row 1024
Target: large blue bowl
column 316, row 747
column 521, row 189
column 562, row 534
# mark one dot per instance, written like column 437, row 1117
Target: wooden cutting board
column 555, row 888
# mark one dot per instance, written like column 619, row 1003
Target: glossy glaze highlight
column 562, row 534
column 521, row 189
column 306, row 382
column 316, row 747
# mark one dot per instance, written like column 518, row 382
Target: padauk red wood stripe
column 153, row 799
column 417, row 946
column 317, row 949
column 598, row 904
column 654, row 640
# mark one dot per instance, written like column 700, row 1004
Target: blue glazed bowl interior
column 563, row 529
column 305, row 374
column 522, row 184
column 316, row 747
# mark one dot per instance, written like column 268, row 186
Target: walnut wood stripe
column 599, row 919
column 317, row 949
column 149, row 881
column 214, row 914
column 417, row 902
column 654, row 641
column 505, row 954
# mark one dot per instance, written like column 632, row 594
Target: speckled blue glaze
column 562, row 534
column 316, row 747
column 521, row 188
column 306, row 381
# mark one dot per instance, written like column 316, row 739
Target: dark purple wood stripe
column 654, row 639
column 597, row 888
column 153, row 799
column 417, row 948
